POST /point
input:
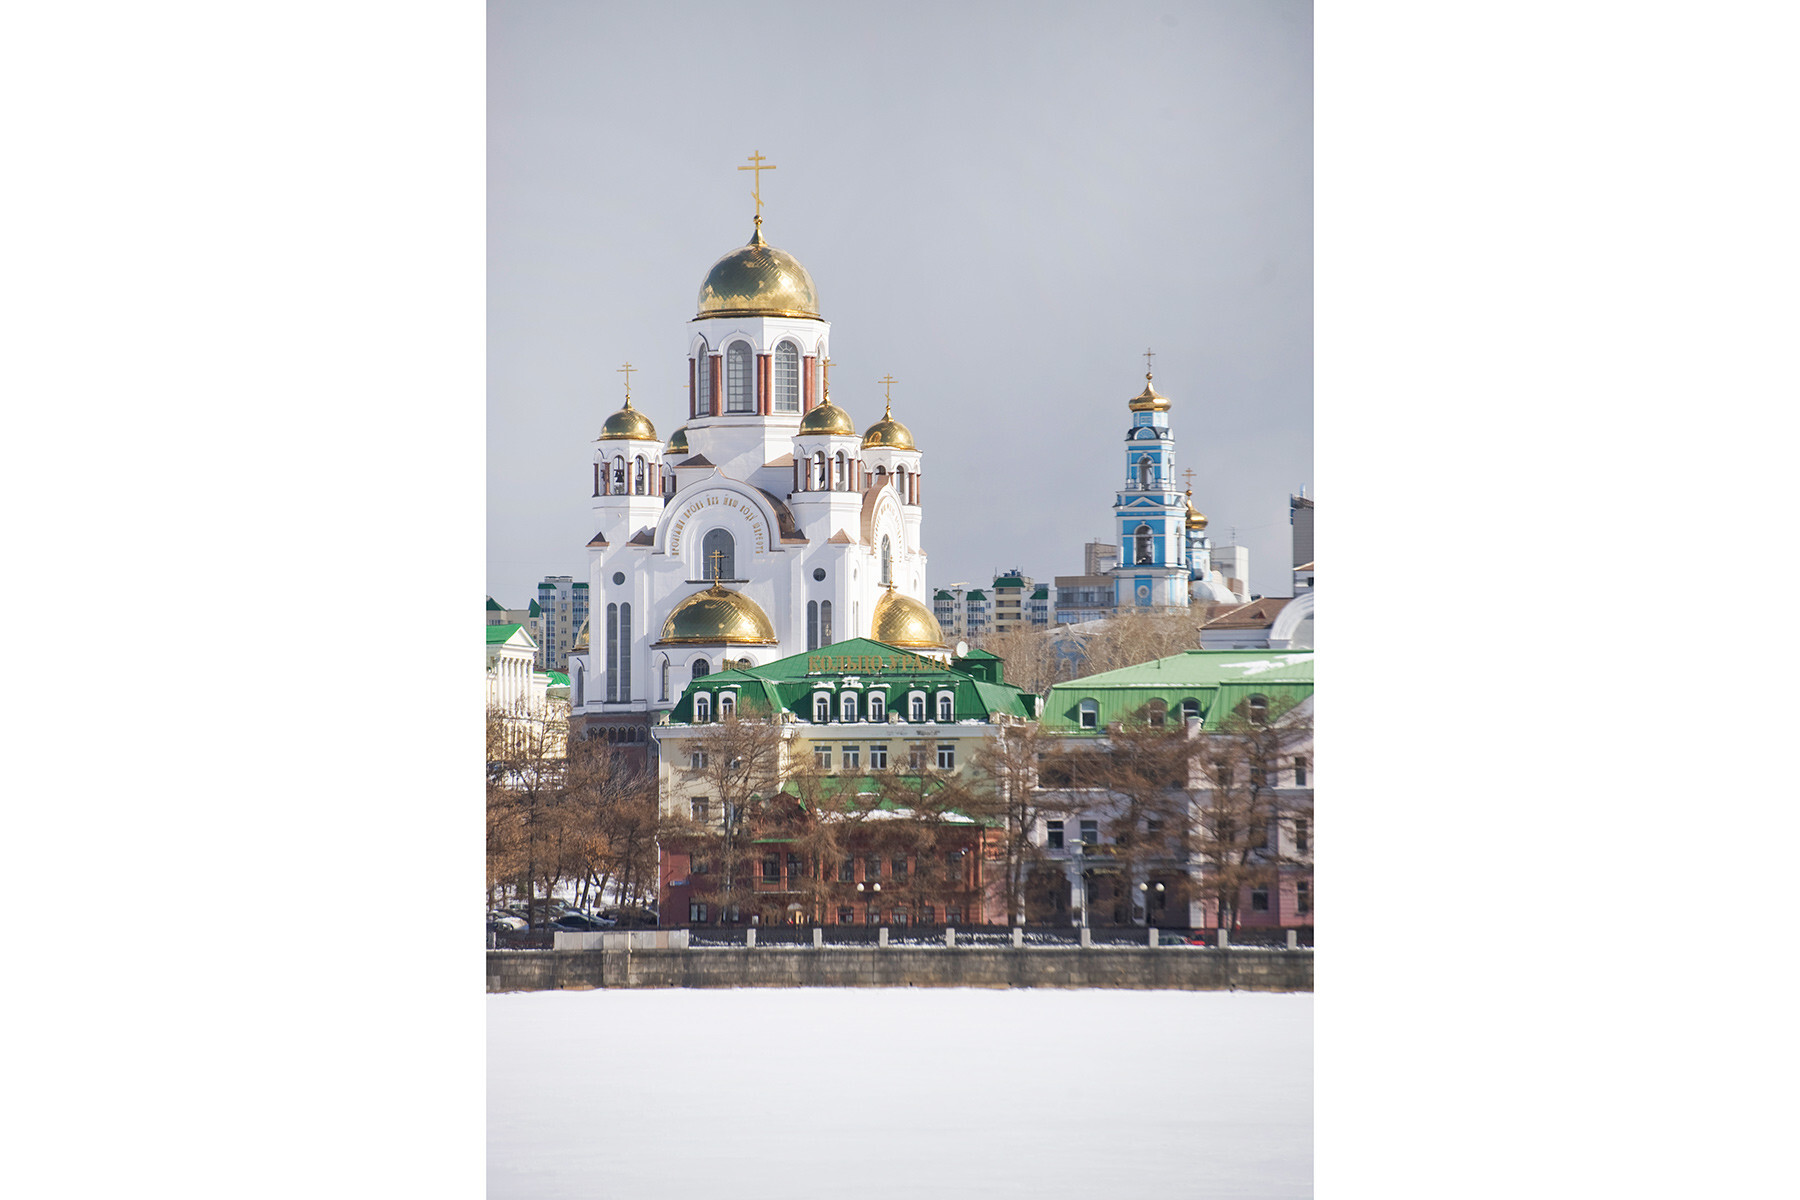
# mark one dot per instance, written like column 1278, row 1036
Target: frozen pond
column 887, row 1092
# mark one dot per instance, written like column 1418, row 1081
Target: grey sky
column 1001, row 205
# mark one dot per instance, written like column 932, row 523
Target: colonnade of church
column 842, row 472
column 637, row 476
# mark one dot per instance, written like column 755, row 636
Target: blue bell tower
column 1150, row 513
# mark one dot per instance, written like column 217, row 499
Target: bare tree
column 525, row 770
column 1238, row 841
column 1007, row 794
column 733, row 781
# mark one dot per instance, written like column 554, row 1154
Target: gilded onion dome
column 678, row 442
column 717, row 615
column 888, row 433
column 1195, row 519
column 902, row 621
column 628, row 424
column 1149, row 400
column 758, row 280
column 828, row 418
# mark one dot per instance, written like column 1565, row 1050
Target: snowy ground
column 888, row 1092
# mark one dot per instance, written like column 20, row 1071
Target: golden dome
column 758, row 280
column 1195, row 518
column 1149, row 400
column 678, row 442
column 902, row 621
column 889, row 433
column 581, row 637
column 628, row 424
column 828, row 418
column 717, row 615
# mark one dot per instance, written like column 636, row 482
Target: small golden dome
column 889, row 433
column 1195, row 518
column 1149, row 400
column 581, row 637
column 758, row 280
column 828, row 418
column 628, row 424
column 717, row 615
column 902, row 621
column 678, row 442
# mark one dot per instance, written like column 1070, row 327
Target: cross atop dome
column 756, row 165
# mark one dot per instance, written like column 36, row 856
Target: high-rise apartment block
column 563, row 610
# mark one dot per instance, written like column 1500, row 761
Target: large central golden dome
column 717, row 615
column 902, row 621
column 758, row 280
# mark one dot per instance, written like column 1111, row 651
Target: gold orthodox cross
column 1189, row 476
column 756, row 164
column 1148, row 355
column 627, row 369
column 827, row 365
column 887, row 382
column 717, row 562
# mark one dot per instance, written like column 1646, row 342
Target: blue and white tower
column 1150, row 514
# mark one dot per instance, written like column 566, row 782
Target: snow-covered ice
column 888, row 1092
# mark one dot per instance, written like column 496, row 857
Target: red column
column 806, row 383
column 693, row 396
column 762, row 383
column 596, row 479
column 714, row 385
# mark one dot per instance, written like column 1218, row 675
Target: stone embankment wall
column 1114, row 967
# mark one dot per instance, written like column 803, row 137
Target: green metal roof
column 788, row 684
column 500, row 633
column 943, row 595
column 1042, row 593
column 1009, row 581
column 1217, row 680
column 977, row 594
column 534, row 610
column 557, row 679
column 493, row 607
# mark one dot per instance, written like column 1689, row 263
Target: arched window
column 700, row 668
column 837, row 472
column 1145, row 547
column 825, row 623
column 787, row 378
column 877, row 707
column 946, row 707
column 887, row 560
column 847, row 707
column 576, row 680
column 916, row 703
column 1144, row 471
column 900, row 483
column 640, row 482
column 618, row 473
column 1158, row 714
column 1090, row 714
column 718, row 542
column 1259, row 708
column 624, row 651
column 727, row 705
column 612, row 652
column 812, row 624
column 821, row 708
column 665, row 677
column 1190, row 710
column 819, row 477
column 702, row 707
column 703, row 380
column 739, row 398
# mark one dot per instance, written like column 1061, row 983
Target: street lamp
column 1149, row 891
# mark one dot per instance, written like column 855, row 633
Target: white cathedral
column 765, row 526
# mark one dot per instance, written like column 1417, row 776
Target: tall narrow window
column 1144, row 472
column 1145, row 547
column 847, row 706
column 618, row 472
column 877, row 707
column 624, row 651
column 665, row 677
column 1303, row 898
column 727, row 706
column 612, row 652
column 812, row 624
column 916, row 703
column 825, row 623
column 900, row 483
column 946, row 707
column 702, row 708
column 1299, row 772
column 819, row 478
column 1302, row 835
column 1054, row 830
column 821, row 708
column 838, row 480
column 703, row 381
column 887, row 560
column 640, row 478
column 787, row 378
column 718, row 555
column 739, row 397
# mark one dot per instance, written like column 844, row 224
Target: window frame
column 740, row 379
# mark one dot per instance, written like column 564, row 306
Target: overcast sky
column 1001, row 205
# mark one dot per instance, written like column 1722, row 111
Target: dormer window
column 916, row 703
column 847, row 706
column 727, row 705
column 1258, row 706
column 946, row 707
column 877, row 707
column 702, row 708
column 821, row 708
column 1090, row 714
column 1190, row 710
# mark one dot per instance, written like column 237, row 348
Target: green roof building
column 1207, row 684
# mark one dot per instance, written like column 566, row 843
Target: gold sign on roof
column 756, row 165
column 833, row 664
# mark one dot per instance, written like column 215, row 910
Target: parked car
column 575, row 922
column 497, row 921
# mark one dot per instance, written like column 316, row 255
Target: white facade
column 765, row 493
